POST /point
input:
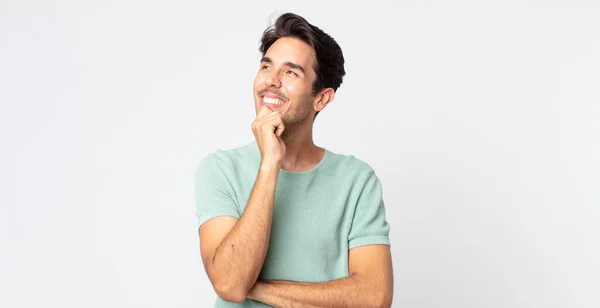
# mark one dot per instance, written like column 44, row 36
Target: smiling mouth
column 272, row 102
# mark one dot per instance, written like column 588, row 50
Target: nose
column 272, row 80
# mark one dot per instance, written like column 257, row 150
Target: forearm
column 353, row 291
column 240, row 256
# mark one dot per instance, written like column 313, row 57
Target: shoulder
column 227, row 159
column 356, row 174
column 352, row 165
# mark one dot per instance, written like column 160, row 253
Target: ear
column 323, row 98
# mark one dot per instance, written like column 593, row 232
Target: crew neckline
column 325, row 157
column 311, row 170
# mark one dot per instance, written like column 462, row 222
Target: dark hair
column 330, row 60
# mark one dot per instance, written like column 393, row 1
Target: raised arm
column 233, row 251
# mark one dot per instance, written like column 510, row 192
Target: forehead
column 290, row 49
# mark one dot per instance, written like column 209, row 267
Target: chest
column 309, row 234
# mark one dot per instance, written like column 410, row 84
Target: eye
column 292, row 73
column 265, row 67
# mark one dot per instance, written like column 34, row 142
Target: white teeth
column 274, row 101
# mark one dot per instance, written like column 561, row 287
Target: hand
column 267, row 128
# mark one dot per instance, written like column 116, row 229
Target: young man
column 284, row 222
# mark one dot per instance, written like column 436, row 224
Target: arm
column 233, row 251
column 370, row 284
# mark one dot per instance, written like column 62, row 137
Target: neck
column 301, row 153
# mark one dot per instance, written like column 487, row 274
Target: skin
column 370, row 284
column 287, row 71
column 284, row 137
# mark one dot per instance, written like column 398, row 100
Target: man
column 284, row 222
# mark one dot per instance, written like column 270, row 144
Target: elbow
column 383, row 300
column 230, row 293
column 231, row 288
column 386, row 301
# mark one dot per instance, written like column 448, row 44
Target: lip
column 270, row 95
column 272, row 106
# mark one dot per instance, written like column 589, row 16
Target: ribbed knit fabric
column 319, row 214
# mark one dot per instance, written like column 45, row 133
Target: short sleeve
column 369, row 225
column 213, row 192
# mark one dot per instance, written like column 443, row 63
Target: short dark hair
column 330, row 59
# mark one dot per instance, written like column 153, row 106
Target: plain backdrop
column 480, row 117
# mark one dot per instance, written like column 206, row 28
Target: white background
column 480, row 117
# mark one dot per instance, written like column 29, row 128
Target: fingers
column 271, row 121
column 264, row 110
column 275, row 123
column 263, row 113
column 266, row 113
column 279, row 129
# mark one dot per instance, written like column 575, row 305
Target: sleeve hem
column 204, row 218
column 369, row 240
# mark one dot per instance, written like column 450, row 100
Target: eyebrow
column 287, row 63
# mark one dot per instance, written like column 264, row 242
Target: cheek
column 292, row 89
column 296, row 90
column 300, row 103
column 257, row 83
